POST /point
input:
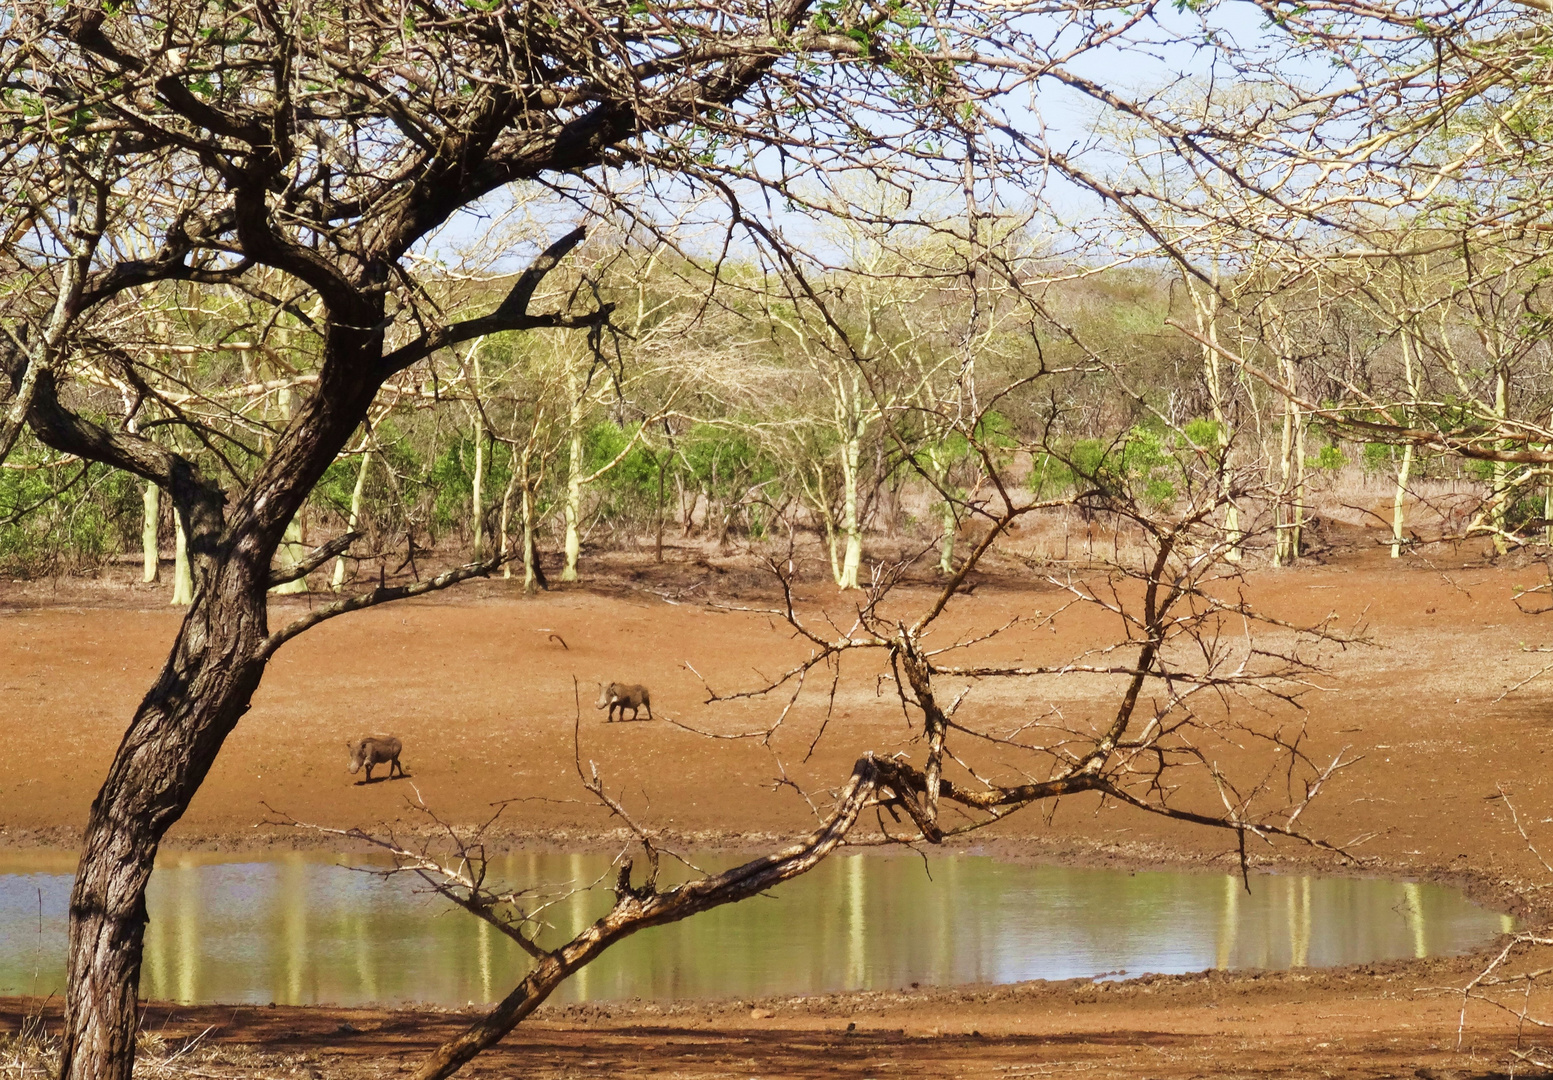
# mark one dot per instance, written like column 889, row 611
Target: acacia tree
column 323, row 146
column 303, row 155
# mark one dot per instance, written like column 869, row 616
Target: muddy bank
column 1372, row 1021
column 1437, row 709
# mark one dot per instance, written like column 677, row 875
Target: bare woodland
column 296, row 287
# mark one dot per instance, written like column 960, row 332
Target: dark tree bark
column 246, row 166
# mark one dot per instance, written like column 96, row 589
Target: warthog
column 370, row 750
column 619, row 696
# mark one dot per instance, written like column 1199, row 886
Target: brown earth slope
column 484, row 689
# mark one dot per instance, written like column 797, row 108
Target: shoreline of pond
column 1367, row 1020
column 1531, row 905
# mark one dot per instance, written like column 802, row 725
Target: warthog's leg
column 394, row 764
column 369, row 770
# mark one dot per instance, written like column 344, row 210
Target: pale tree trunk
column 657, row 539
column 1398, row 508
column 946, row 545
column 819, row 502
column 1206, row 310
column 150, row 551
column 482, row 436
column 477, row 507
column 851, row 532
column 1498, row 516
column 183, row 580
column 1398, row 512
column 337, row 580
column 572, row 508
column 1286, row 547
column 663, row 469
column 1547, row 511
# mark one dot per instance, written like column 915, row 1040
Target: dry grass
column 29, row 1052
column 32, row 1053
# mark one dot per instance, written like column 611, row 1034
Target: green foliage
column 451, row 483
column 637, row 474
column 1143, row 464
column 1330, row 459
column 1482, row 471
column 724, row 461
column 62, row 516
column 1377, row 457
column 1204, row 433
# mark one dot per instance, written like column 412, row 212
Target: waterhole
column 303, row 929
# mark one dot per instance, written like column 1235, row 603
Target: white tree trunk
column 150, row 526
column 1398, row 517
column 477, row 500
column 477, row 507
column 337, row 581
column 946, row 545
column 573, row 506
column 1286, row 543
column 574, row 464
column 506, row 518
column 183, row 579
column 1207, row 309
column 850, row 530
column 1547, row 512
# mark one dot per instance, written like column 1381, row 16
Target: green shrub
column 1330, row 459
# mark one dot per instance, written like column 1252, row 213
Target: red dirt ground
column 480, row 687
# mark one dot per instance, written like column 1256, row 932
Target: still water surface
column 304, row 929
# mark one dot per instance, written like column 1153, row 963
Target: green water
column 303, row 929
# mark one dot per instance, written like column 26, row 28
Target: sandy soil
column 1371, row 1022
column 483, row 688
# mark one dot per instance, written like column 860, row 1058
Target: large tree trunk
column 204, row 688
column 176, row 733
